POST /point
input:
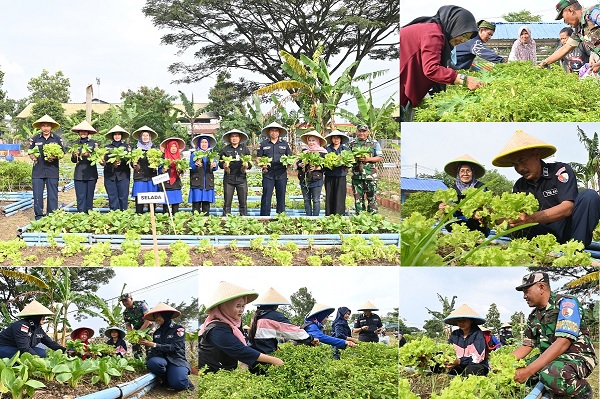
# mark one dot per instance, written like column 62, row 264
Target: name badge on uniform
column 549, row 193
column 267, row 147
column 156, row 335
column 545, row 172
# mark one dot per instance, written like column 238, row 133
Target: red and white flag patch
column 24, row 328
column 181, row 332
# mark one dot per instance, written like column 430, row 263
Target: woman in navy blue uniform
column 117, row 175
column 222, row 343
column 115, row 337
column 202, row 179
column 24, row 335
column 86, row 174
column 166, row 357
column 335, row 179
column 274, row 176
column 340, row 328
column 142, row 173
column 314, row 322
column 171, row 148
column 311, row 176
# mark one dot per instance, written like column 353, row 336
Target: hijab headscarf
column 525, row 51
column 459, row 183
column 455, row 21
column 80, row 333
column 167, row 316
column 217, row 313
column 339, row 317
column 142, row 145
column 172, row 158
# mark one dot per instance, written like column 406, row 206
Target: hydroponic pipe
column 125, row 390
column 536, row 391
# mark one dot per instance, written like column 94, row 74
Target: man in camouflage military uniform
column 556, row 326
column 134, row 319
column 586, row 29
column 364, row 173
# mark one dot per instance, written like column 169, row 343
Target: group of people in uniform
column 556, row 326
column 223, row 344
column 564, row 211
column 118, row 172
column 165, row 353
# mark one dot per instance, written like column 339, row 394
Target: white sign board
column 151, row 198
column 160, row 178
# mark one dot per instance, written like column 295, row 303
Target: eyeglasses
column 465, row 172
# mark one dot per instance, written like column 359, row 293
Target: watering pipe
column 132, row 389
column 536, row 392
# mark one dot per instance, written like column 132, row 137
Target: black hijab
column 455, row 21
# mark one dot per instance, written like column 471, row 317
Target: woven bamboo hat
column 226, row 291
column 137, row 133
column 121, row 332
column 180, row 143
column 34, row 308
column 46, row 119
column 338, row 133
column 521, row 141
column 506, row 325
column 75, row 332
column 225, row 136
column 84, row 126
column 464, row 312
column 313, row 133
column 161, row 307
column 319, row 311
column 452, row 166
column 117, row 129
column 282, row 131
column 212, row 141
column 271, row 297
column 483, row 328
column 368, row 306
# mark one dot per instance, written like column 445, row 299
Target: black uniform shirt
column 170, row 345
column 43, row 169
column 373, row 321
column 84, row 170
column 24, row 335
column 274, row 151
column 556, row 184
column 235, row 174
column 112, row 172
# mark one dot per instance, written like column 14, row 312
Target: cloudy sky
column 478, row 287
column 488, row 10
column 432, row 145
column 111, row 40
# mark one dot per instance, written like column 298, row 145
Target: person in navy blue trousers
column 117, row 175
column 274, row 176
column 86, row 174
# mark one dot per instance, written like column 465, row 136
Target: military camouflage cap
column 362, row 127
column 126, row 296
column 532, row 279
column 561, row 5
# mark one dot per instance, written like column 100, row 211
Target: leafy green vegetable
column 134, row 336
column 264, row 162
column 117, row 155
column 288, row 160
column 155, row 158
column 134, row 155
column 97, row 156
column 53, row 151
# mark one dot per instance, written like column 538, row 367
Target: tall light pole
column 98, row 84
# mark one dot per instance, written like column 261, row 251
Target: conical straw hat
column 34, row 308
column 321, row 310
column 227, row 291
column 84, row 127
column 46, row 119
column 313, row 133
column 117, row 129
column 180, row 143
column 282, row 131
column 121, row 332
column 464, row 312
column 518, row 142
column 226, row 135
column 339, row 133
column 161, row 307
column 506, row 325
column 452, row 166
column 75, row 332
column 212, row 141
column 368, row 306
column 271, row 297
column 483, row 328
column 137, row 133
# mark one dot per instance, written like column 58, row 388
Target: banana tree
column 189, row 112
column 112, row 315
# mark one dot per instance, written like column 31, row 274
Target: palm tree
column 189, row 112
column 592, row 167
column 447, row 308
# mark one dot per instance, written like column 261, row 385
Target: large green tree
column 518, row 321
column 225, row 97
column 157, row 106
column 302, row 303
column 492, row 318
column 435, row 325
column 521, row 16
column 589, row 173
column 48, row 86
column 248, row 35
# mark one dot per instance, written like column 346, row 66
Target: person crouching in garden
column 340, row 328
column 234, row 178
column 142, row 173
column 335, row 179
column 45, row 171
column 466, row 170
column 311, row 176
column 202, row 179
column 222, row 343
column 24, row 335
column 275, row 175
column 83, row 334
column 171, row 148
column 268, row 325
column 86, row 174
column 117, row 175
column 116, row 337
column 314, row 323
column 468, row 341
column 166, row 357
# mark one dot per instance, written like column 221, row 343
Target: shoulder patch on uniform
column 181, row 331
column 569, row 318
column 24, row 328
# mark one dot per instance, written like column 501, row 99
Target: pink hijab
column 217, row 313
